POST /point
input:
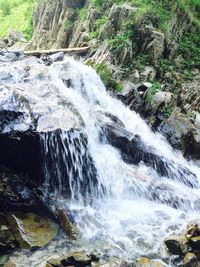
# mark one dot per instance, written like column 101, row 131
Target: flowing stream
column 120, row 208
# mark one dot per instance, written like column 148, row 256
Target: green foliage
column 97, row 27
column 17, row 15
column 156, row 87
column 5, row 8
column 119, row 42
column 167, row 111
column 187, row 75
column 106, row 76
column 190, row 49
column 123, row 39
column 141, row 61
column 82, row 13
column 192, row 9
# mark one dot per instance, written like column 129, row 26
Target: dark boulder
column 134, row 151
column 18, row 193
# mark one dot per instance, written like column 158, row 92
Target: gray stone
column 8, row 57
column 150, row 41
column 57, row 56
column 159, row 98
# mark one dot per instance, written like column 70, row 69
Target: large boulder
column 31, row 231
column 134, row 151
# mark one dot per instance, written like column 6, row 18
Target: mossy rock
column 67, row 225
column 31, row 231
column 190, row 260
column 146, row 262
column 192, row 229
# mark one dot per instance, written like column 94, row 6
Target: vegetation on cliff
column 16, row 14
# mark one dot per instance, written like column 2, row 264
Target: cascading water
column 133, row 206
column 139, row 189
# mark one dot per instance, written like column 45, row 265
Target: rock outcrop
column 53, row 21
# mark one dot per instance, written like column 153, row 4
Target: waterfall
column 140, row 188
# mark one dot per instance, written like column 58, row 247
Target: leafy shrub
column 190, row 49
column 97, row 27
column 106, row 76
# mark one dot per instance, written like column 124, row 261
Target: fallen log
column 77, row 50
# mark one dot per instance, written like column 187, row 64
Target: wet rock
column 46, row 60
column 8, row 57
column 113, row 263
column 132, row 96
column 14, row 120
column 192, row 229
column 134, row 151
column 17, row 193
column 79, row 259
column 192, row 144
column 190, row 260
column 177, row 245
column 67, row 224
column 57, row 56
column 146, row 262
column 31, row 231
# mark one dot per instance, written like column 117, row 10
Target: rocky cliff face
column 51, row 23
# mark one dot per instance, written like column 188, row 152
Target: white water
column 125, row 221
column 124, row 218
